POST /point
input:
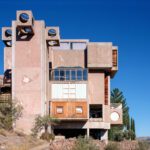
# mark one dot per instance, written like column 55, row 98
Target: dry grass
column 20, row 147
column 3, row 132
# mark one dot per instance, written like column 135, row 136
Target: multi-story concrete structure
column 67, row 79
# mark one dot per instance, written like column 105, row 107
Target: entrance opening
column 69, row 133
column 95, row 133
column 95, row 111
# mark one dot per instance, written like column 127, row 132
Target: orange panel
column 69, row 109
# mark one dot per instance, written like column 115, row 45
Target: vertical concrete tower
column 29, row 68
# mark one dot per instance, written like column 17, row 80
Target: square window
column 79, row 110
column 59, row 109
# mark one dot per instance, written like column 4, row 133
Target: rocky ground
column 19, row 141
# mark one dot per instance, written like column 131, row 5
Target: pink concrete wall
column 7, row 58
column 99, row 55
column 67, row 58
column 96, row 88
column 27, row 76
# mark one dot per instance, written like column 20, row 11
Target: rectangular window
column 62, row 75
column 73, row 75
column 85, row 74
column 59, row 109
column 79, row 75
column 67, row 74
column 79, row 110
column 56, row 74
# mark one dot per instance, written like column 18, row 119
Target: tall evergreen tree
column 116, row 132
column 117, row 97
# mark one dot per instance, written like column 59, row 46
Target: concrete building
column 67, row 79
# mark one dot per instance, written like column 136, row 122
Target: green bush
column 9, row 112
column 47, row 136
column 112, row 146
column 43, row 122
column 84, row 143
column 143, row 145
column 118, row 136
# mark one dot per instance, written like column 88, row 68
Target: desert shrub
column 9, row 112
column 47, row 136
column 143, row 145
column 84, row 143
column 118, row 136
column 112, row 146
column 43, row 122
column 3, row 132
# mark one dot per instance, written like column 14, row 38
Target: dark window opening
column 70, row 133
column 95, row 133
column 96, row 111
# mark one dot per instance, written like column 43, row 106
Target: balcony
column 116, row 113
column 69, row 110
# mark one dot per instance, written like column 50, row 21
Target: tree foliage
column 43, row 122
column 10, row 111
column 127, row 129
column 84, row 143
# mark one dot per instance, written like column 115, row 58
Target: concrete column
column 104, row 135
column 88, row 132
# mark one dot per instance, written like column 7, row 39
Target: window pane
column 79, row 109
column 79, row 75
column 85, row 74
column 56, row 74
column 67, row 74
column 78, row 46
column 62, row 75
column 73, row 75
column 59, row 109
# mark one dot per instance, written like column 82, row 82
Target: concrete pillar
column 104, row 135
column 88, row 132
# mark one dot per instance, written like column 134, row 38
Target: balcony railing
column 116, row 106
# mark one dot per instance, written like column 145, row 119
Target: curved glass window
column 79, row 75
column 56, row 75
column 62, row 75
column 85, row 74
column 73, row 75
column 69, row 74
